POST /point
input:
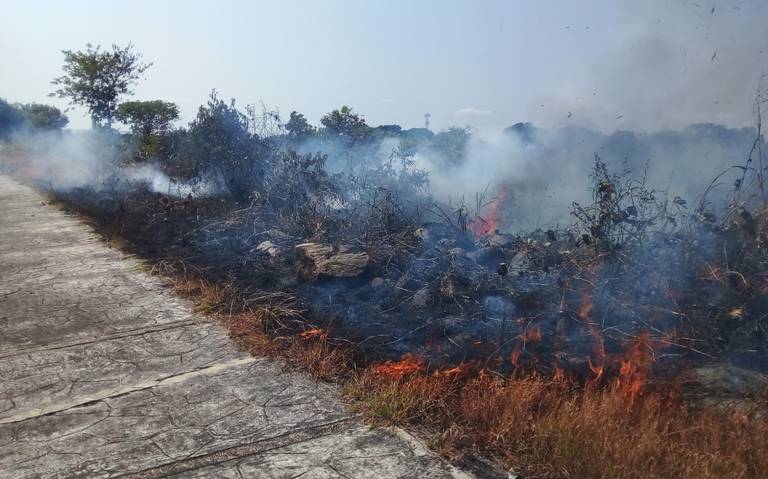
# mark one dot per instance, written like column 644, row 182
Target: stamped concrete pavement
column 105, row 373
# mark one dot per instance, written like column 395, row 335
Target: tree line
column 221, row 137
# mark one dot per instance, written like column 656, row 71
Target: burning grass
column 614, row 425
column 547, row 428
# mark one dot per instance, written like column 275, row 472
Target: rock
column 520, row 262
column 315, row 259
column 500, row 240
column 270, row 248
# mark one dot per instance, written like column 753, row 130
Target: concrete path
column 104, row 373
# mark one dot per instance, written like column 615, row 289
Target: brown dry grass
column 545, row 428
column 252, row 321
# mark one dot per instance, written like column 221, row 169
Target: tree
column 147, row 118
column 11, row 119
column 451, row 145
column 44, row 117
column 346, row 124
column 298, row 127
column 96, row 79
column 219, row 139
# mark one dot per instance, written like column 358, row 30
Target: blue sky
column 604, row 64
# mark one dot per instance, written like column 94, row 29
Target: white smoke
column 65, row 160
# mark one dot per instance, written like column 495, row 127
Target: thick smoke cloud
column 651, row 105
column 543, row 177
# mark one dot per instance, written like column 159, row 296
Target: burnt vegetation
column 555, row 351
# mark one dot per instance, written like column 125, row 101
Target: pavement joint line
column 241, row 451
column 111, row 337
column 167, row 380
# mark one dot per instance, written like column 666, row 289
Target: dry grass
column 544, row 428
column 257, row 321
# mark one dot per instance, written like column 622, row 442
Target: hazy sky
column 607, row 64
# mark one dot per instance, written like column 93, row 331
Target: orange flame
column 635, row 366
column 490, row 219
column 313, row 333
column 598, row 350
column 514, row 356
column 462, row 370
column 408, row 364
column 532, row 335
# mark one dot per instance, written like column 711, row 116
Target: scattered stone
column 315, row 260
column 520, row 262
column 270, row 248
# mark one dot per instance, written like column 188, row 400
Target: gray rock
column 315, row 259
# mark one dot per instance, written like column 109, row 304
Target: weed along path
column 105, row 373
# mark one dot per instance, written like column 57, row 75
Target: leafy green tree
column 346, row 123
column 96, row 79
column 44, row 117
column 298, row 127
column 11, row 119
column 147, row 118
column 220, row 140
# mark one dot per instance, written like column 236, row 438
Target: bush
column 219, row 141
column 44, row 117
column 11, row 119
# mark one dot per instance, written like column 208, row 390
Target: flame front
column 408, row 364
column 490, row 219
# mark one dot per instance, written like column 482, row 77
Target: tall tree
column 96, row 79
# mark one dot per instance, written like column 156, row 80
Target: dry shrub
column 544, row 428
column 316, row 355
